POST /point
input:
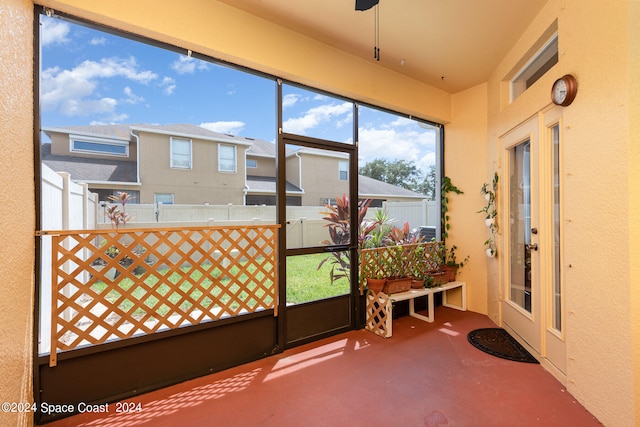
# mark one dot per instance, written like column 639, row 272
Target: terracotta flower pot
column 400, row 284
column 417, row 283
column 375, row 285
column 451, row 272
column 439, row 277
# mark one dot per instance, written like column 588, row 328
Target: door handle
column 533, row 247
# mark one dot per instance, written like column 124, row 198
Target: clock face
column 560, row 91
column 564, row 90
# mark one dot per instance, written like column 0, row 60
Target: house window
column 85, row 144
column 164, row 198
column 252, row 163
column 226, row 158
column 180, row 153
column 535, row 67
column 343, row 173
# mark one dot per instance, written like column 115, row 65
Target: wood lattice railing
column 116, row 284
column 404, row 260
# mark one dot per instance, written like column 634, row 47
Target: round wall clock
column 564, row 90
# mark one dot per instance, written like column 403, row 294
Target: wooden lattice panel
column 416, row 258
column 378, row 313
column 110, row 285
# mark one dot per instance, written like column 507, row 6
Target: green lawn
column 304, row 283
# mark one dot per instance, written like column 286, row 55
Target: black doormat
column 498, row 342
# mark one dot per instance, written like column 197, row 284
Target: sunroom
column 474, row 85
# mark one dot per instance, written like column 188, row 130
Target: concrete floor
column 425, row 375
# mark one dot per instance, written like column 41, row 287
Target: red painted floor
column 425, row 375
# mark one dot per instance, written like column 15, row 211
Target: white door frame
column 537, row 330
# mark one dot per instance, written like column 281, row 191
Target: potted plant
column 337, row 218
column 490, row 213
column 417, row 266
column 446, row 188
column 436, row 277
column 396, row 266
column 425, row 267
column 450, row 263
column 377, row 276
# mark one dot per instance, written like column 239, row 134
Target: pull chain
column 376, row 32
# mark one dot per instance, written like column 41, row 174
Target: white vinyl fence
column 417, row 214
column 305, row 226
column 65, row 206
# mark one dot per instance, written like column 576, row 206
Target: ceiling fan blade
column 365, row 4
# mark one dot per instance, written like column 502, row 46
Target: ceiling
column 449, row 44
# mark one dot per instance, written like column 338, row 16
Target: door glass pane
column 557, row 279
column 520, row 226
column 315, row 191
column 317, row 115
column 317, row 276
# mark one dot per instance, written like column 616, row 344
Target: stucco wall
column 17, row 210
column 633, row 161
column 596, row 226
column 466, row 165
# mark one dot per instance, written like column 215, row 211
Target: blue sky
column 92, row 77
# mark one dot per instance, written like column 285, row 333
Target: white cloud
column 131, row 98
column 98, row 41
column 188, row 65
column 73, row 91
column 169, row 85
column 116, row 118
column 54, row 31
column 231, row 128
column 317, row 116
column 83, row 107
column 399, row 139
column 290, row 100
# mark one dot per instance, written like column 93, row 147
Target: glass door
column 318, row 170
column 533, row 299
column 319, row 250
column 521, row 302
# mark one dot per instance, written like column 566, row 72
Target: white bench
column 379, row 309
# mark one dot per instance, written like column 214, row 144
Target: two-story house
column 188, row 164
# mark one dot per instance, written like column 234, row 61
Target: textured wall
column 596, row 226
column 17, row 210
column 634, row 184
column 466, row 165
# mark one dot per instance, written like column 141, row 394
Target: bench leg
column 389, row 319
column 412, row 309
column 463, row 306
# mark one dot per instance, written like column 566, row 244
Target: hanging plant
column 446, row 188
column 489, row 192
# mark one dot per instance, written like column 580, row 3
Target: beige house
column 597, row 43
column 188, row 164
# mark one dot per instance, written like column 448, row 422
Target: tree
column 401, row 173
column 428, row 185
